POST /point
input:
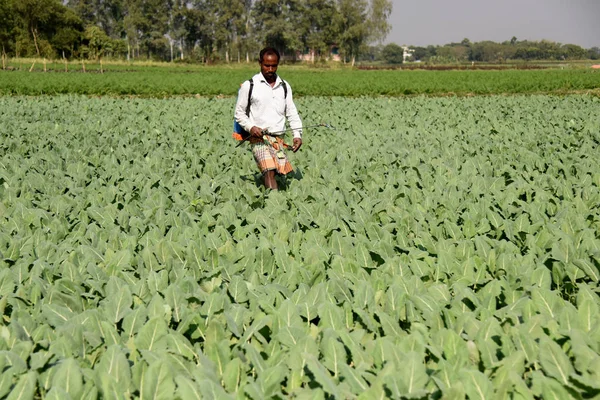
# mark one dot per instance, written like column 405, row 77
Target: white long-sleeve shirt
column 269, row 106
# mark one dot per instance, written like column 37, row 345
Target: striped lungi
column 271, row 156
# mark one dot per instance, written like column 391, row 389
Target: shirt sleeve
column 291, row 114
column 240, row 107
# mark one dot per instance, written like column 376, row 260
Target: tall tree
column 393, row 54
column 318, row 33
column 487, row 51
column 110, row 17
column 154, row 27
column 86, row 10
column 7, row 34
column 353, row 27
column 229, row 22
column 37, row 22
column 107, row 14
column 277, row 24
column 133, row 23
column 379, row 13
column 573, row 52
column 202, row 23
column 66, row 38
column 177, row 31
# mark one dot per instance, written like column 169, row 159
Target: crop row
column 423, row 248
column 213, row 81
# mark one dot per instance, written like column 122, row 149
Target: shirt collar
column 277, row 80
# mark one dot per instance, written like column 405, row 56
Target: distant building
column 311, row 56
column 408, row 53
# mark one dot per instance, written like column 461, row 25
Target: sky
column 438, row 22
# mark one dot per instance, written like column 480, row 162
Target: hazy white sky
column 424, row 22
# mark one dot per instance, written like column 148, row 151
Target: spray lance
column 266, row 132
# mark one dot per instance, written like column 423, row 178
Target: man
column 271, row 102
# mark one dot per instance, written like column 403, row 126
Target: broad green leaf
column 232, row 376
column 58, row 393
column 589, row 268
column 220, row 354
column 187, row 389
column 68, row 377
column 6, row 380
column 151, row 333
column 256, row 325
column 290, row 335
column 134, row 321
column 288, row 315
column 118, row 304
column 455, row 350
column 563, row 251
column 512, row 364
column 476, row 384
column 554, row 361
column 568, row 318
column 495, row 219
column 413, row 374
column 541, row 277
column 25, row 388
column 358, row 355
column 254, row 391
column 551, row 389
column 157, row 382
column 179, row 344
column 390, row 325
column 546, row 302
column 330, row 316
column 56, row 315
column 118, row 261
column 114, row 363
column 322, row 376
column 414, row 342
column 210, row 390
column 238, row 290
column 110, row 388
column 525, row 343
column 270, row 381
column 7, row 284
column 333, row 353
column 446, row 376
column 255, row 358
column 354, row 379
column 587, row 312
column 109, row 332
column 213, row 304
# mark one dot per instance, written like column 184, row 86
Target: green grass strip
column 215, row 81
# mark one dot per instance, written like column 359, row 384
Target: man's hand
column 297, row 144
column 256, row 132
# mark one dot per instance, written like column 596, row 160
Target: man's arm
column 291, row 113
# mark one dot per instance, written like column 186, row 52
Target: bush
column 393, row 54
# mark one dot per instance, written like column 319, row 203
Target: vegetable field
column 215, row 81
column 426, row 248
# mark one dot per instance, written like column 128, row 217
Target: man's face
column 268, row 67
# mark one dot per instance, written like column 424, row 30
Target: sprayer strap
column 250, row 94
column 249, row 97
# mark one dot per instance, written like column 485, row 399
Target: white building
column 408, row 53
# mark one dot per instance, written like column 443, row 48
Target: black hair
column 268, row 50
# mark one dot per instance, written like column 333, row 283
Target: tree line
column 484, row 51
column 195, row 30
column 235, row 30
